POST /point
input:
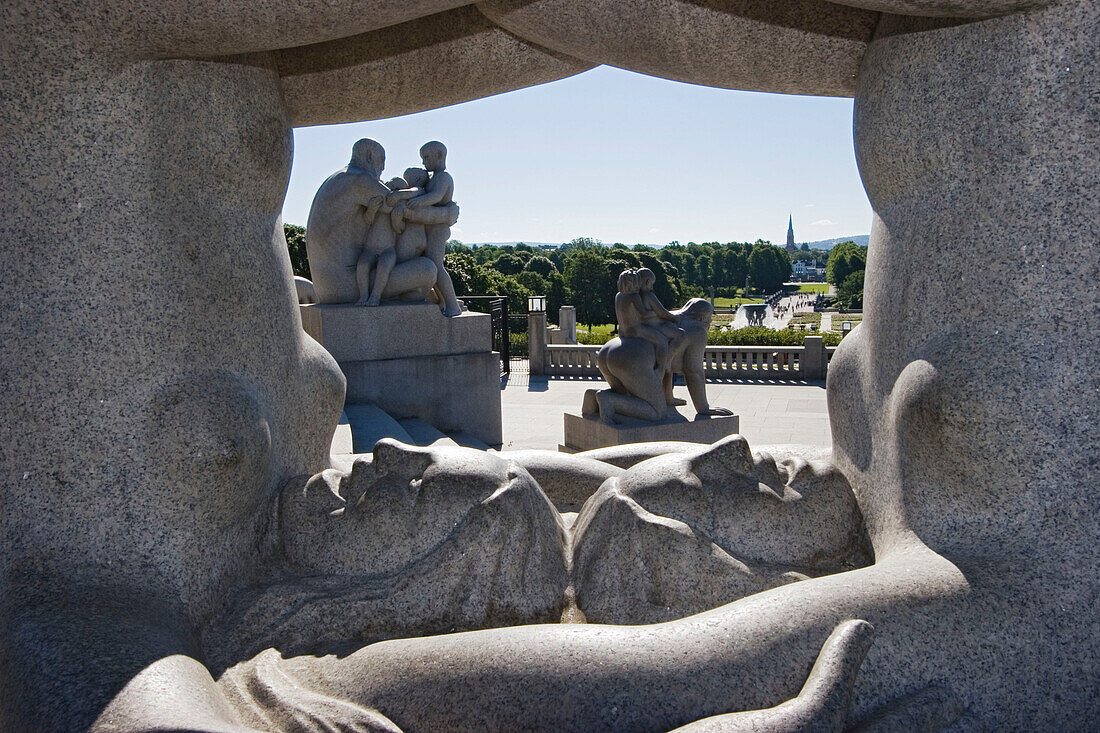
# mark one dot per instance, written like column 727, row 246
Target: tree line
column 583, row 272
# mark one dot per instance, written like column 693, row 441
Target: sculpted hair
column 626, row 276
column 434, row 145
column 416, row 177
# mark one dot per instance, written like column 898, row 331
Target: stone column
column 567, row 322
column 814, row 359
column 536, row 341
column 954, row 411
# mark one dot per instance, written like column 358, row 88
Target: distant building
column 808, row 270
column 791, row 247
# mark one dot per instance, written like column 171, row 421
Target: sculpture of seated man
column 348, row 245
column 356, row 253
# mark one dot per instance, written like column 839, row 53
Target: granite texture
column 455, row 392
column 586, row 432
column 681, row 533
column 981, row 413
column 947, row 8
column 794, row 47
column 568, row 480
column 154, row 448
column 824, row 701
column 354, row 333
column 442, row 59
column 406, row 360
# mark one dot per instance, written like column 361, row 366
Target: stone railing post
column 814, row 361
column 536, row 341
column 567, row 322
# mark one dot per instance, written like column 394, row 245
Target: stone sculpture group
column 368, row 241
column 653, row 344
column 155, row 438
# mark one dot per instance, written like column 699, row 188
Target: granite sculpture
column 368, row 241
column 652, row 345
column 148, row 438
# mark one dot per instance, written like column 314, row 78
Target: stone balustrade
column 766, row 362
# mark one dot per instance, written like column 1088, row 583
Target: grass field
column 604, row 330
column 822, row 288
column 734, row 302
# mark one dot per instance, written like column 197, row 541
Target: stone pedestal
column 536, row 342
column 815, row 361
column 587, row 433
column 567, row 322
column 411, row 361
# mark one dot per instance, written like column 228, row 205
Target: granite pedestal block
column 395, row 330
column 412, row 362
column 587, row 433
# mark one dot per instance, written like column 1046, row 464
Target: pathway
column 772, row 411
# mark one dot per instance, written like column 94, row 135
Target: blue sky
column 622, row 157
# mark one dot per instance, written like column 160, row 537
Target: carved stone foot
column 590, row 405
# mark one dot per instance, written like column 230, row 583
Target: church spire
column 790, row 234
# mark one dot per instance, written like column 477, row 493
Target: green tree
column 844, row 259
column 850, row 292
column 555, row 295
column 588, row 282
column 769, row 267
column 557, row 256
column 463, row 269
column 540, row 265
column 704, row 275
column 508, row 264
column 581, row 243
column 296, row 246
column 533, row 282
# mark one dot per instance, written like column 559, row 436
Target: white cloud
column 653, row 230
column 822, row 223
column 808, row 206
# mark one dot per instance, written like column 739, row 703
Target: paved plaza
column 772, row 411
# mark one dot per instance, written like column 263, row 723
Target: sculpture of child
column 379, row 255
column 656, row 316
column 630, row 314
column 415, row 184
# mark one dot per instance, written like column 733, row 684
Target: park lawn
column 605, row 329
column 734, row 302
column 822, row 288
